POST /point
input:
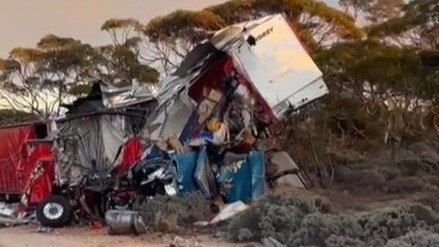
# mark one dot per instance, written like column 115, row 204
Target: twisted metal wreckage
column 207, row 129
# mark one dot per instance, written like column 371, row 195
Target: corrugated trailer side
column 14, row 168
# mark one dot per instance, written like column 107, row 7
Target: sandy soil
column 28, row 236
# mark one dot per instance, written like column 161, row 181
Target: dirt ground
column 28, row 236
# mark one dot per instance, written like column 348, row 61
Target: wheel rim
column 53, row 210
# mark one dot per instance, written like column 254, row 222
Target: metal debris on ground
column 43, row 229
column 6, row 210
column 271, row 242
column 185, row 242
column 229, row 211
column 9, row 217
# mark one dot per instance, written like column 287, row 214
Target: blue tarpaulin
column 185, row 166
column 204, row 175
column 244, row 180
column 241, row 181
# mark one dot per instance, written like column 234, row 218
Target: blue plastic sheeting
column 185, row 168
column 186, row 134
column 242, row 182
column 246, row 181
column 257, row 162
column 194, row 173
column 153, row 152
column 204, row 175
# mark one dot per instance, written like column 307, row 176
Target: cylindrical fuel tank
column 124, row 222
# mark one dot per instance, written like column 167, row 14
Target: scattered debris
column 43, row 229
column 9, row 217
column 282, row 163
column 205, row 128
column 229, row 211
column 291, row 180
column 6, row 210
column 271, row 242
column 96, row 225
column 185, row 242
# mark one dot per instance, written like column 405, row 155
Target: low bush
column 420, row 238
column 381, row 225
column 163, row 212
column 275, row 216
column 316, row 228
column 339, row 241
column 247, row 221
column 295, row 221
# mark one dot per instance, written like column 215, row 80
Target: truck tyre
column 55, row 211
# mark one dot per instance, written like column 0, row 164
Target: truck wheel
column 55, row 211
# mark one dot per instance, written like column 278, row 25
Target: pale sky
column 24, row 22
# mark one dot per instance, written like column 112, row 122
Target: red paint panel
column 18, row 161
column 13, row 158
column 42, row 174
column 132, row 152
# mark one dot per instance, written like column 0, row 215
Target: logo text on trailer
column 265, row 34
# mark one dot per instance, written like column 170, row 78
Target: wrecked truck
column 45, row 165
column 216, row 110
column 209, row 123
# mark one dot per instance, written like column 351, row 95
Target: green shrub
column 420, row 238
column 381, row 225
column 248, row 221
column 343, row 241
column 316, row 228
column 296, row 221
column 186, row 209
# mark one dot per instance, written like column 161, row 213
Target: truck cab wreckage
column 205, row 129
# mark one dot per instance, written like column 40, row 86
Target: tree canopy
column 40, row 79
column 373, row 55
column 317, row 24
